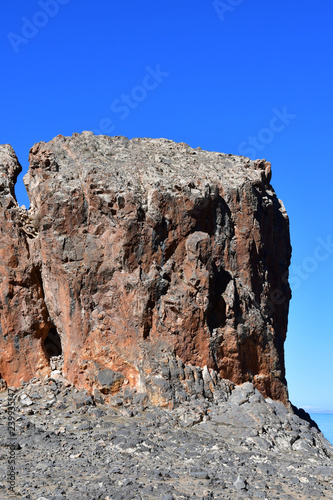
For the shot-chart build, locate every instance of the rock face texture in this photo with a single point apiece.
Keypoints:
(143, 263)
(23, 314)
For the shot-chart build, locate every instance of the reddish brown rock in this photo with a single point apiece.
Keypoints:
(23, 314)
(151, 254)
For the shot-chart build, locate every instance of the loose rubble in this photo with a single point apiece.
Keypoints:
(28, 221)
(72, 445)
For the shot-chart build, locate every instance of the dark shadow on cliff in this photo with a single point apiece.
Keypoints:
(216, 313)
(52, 344)
(304, 416)
(211, 213)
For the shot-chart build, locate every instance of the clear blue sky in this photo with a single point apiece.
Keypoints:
(215, 75)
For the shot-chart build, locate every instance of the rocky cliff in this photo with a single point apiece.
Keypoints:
(143, 263)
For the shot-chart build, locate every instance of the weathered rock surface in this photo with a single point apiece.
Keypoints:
(143, 257)
(23, 314)
(238, 445)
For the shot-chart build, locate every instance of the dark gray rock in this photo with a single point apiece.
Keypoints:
(108, 377)
(248, 447)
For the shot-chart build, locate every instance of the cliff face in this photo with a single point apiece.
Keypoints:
(141, 262)
(23, 315)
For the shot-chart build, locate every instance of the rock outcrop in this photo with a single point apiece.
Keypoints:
(143, 263)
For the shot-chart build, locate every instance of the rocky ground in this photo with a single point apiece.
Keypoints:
(69, 445)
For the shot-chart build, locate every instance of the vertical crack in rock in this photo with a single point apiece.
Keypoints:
(155, 260)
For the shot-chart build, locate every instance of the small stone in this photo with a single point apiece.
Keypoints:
(127, 413)
(98, 397)
(85, 426)
(26, 401)
(88, 401)
(3, 385)
(61, 430)
(108, 377)
(240, 484)
(199, 474)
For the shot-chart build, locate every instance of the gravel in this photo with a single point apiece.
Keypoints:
(242, 446)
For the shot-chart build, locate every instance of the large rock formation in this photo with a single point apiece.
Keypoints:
(143, 263)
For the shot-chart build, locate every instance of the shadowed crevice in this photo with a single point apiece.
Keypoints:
(52, 344)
